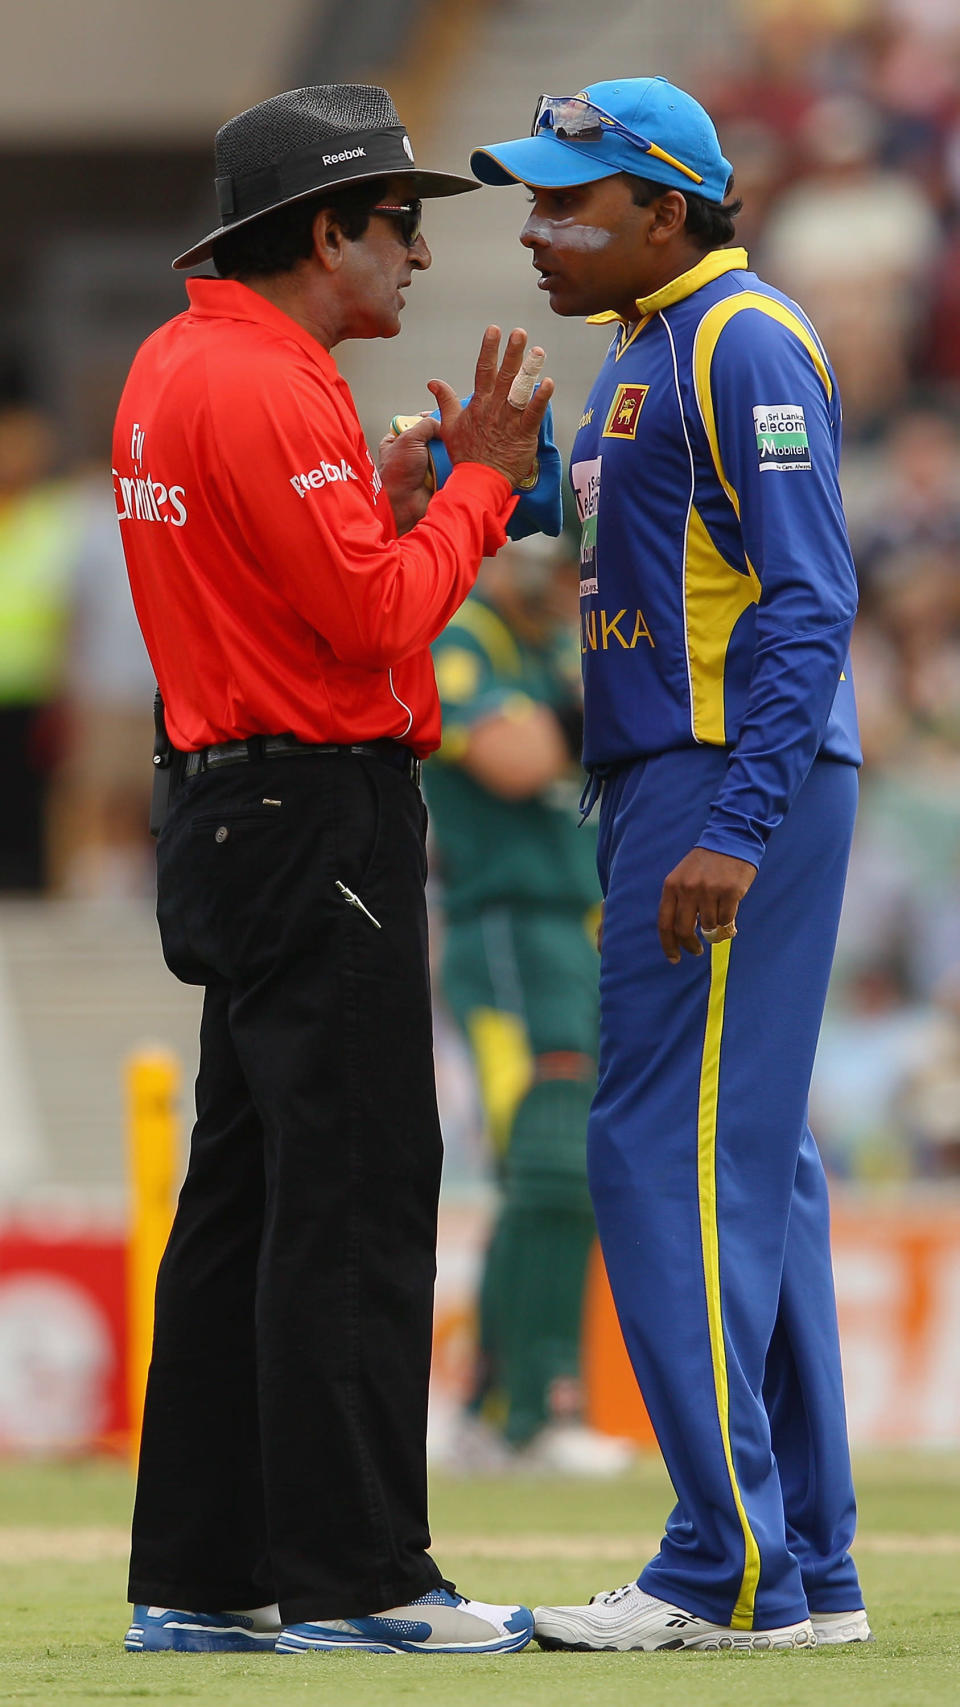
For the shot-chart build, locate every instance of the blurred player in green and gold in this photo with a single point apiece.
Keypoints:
(520, 976)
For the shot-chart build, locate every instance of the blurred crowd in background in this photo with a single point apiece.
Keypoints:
(842, 118)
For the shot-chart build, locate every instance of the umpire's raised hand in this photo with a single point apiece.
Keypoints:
(491, 429)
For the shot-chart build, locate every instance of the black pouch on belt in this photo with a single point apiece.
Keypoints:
(162, 755)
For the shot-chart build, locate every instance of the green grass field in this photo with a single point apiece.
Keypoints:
(62, 1611)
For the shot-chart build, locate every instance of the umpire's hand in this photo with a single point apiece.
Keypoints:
(490, 429)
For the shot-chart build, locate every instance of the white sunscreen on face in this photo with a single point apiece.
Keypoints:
(568, 236)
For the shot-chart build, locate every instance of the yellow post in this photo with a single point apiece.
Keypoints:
(153, 1084)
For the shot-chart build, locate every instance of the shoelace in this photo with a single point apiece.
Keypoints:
(610, 1596)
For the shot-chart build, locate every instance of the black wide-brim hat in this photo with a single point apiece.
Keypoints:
(308, 140)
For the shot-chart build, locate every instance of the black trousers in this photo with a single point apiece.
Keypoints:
(283, 1451)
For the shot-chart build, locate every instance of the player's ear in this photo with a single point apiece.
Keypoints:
(328, 240)
(669, 216)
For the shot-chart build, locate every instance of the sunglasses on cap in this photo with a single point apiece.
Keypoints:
(572, 118)
(408, 217)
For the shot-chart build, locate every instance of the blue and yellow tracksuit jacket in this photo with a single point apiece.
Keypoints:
(717, 590)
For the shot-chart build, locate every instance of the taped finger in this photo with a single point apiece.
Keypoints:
(523, 386)
(719, 933)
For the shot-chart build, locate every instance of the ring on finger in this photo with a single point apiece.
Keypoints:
(720, 933)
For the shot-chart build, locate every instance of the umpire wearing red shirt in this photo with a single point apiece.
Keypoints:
(289, 624)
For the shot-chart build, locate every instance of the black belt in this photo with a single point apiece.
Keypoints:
(288, 747)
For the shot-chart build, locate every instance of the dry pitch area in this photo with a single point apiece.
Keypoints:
(62, 1613)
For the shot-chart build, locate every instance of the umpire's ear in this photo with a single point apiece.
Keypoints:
(328, 240)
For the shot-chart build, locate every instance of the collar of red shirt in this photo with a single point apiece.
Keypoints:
(227, 299)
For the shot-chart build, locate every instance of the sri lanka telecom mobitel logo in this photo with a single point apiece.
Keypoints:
(781, 431)
(140, 498)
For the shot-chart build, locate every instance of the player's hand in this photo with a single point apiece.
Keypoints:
(405, 469)
(490, 429)
(705, 888)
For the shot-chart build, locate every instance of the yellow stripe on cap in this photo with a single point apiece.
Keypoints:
(671, 160)
(743, 1612)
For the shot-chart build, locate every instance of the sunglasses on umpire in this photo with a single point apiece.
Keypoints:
(574, 119)
(408, 217)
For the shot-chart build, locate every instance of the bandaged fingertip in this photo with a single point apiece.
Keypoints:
(524, 385)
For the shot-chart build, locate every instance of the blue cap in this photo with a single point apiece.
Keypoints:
(656, 110)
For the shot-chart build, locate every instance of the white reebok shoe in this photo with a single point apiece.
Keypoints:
(626, 1619)
(436, 1623)
(832, 1628)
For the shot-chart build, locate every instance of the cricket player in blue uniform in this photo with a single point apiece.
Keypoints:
(717, 599)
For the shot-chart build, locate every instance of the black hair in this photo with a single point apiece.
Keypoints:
(711, 224)
(278, 240)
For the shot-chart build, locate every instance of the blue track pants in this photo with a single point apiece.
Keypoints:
(711, 1199)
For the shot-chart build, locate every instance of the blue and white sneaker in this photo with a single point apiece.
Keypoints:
(436, 1623)
(157, 1629)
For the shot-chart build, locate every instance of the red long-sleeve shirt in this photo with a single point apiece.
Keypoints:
(272, 591)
